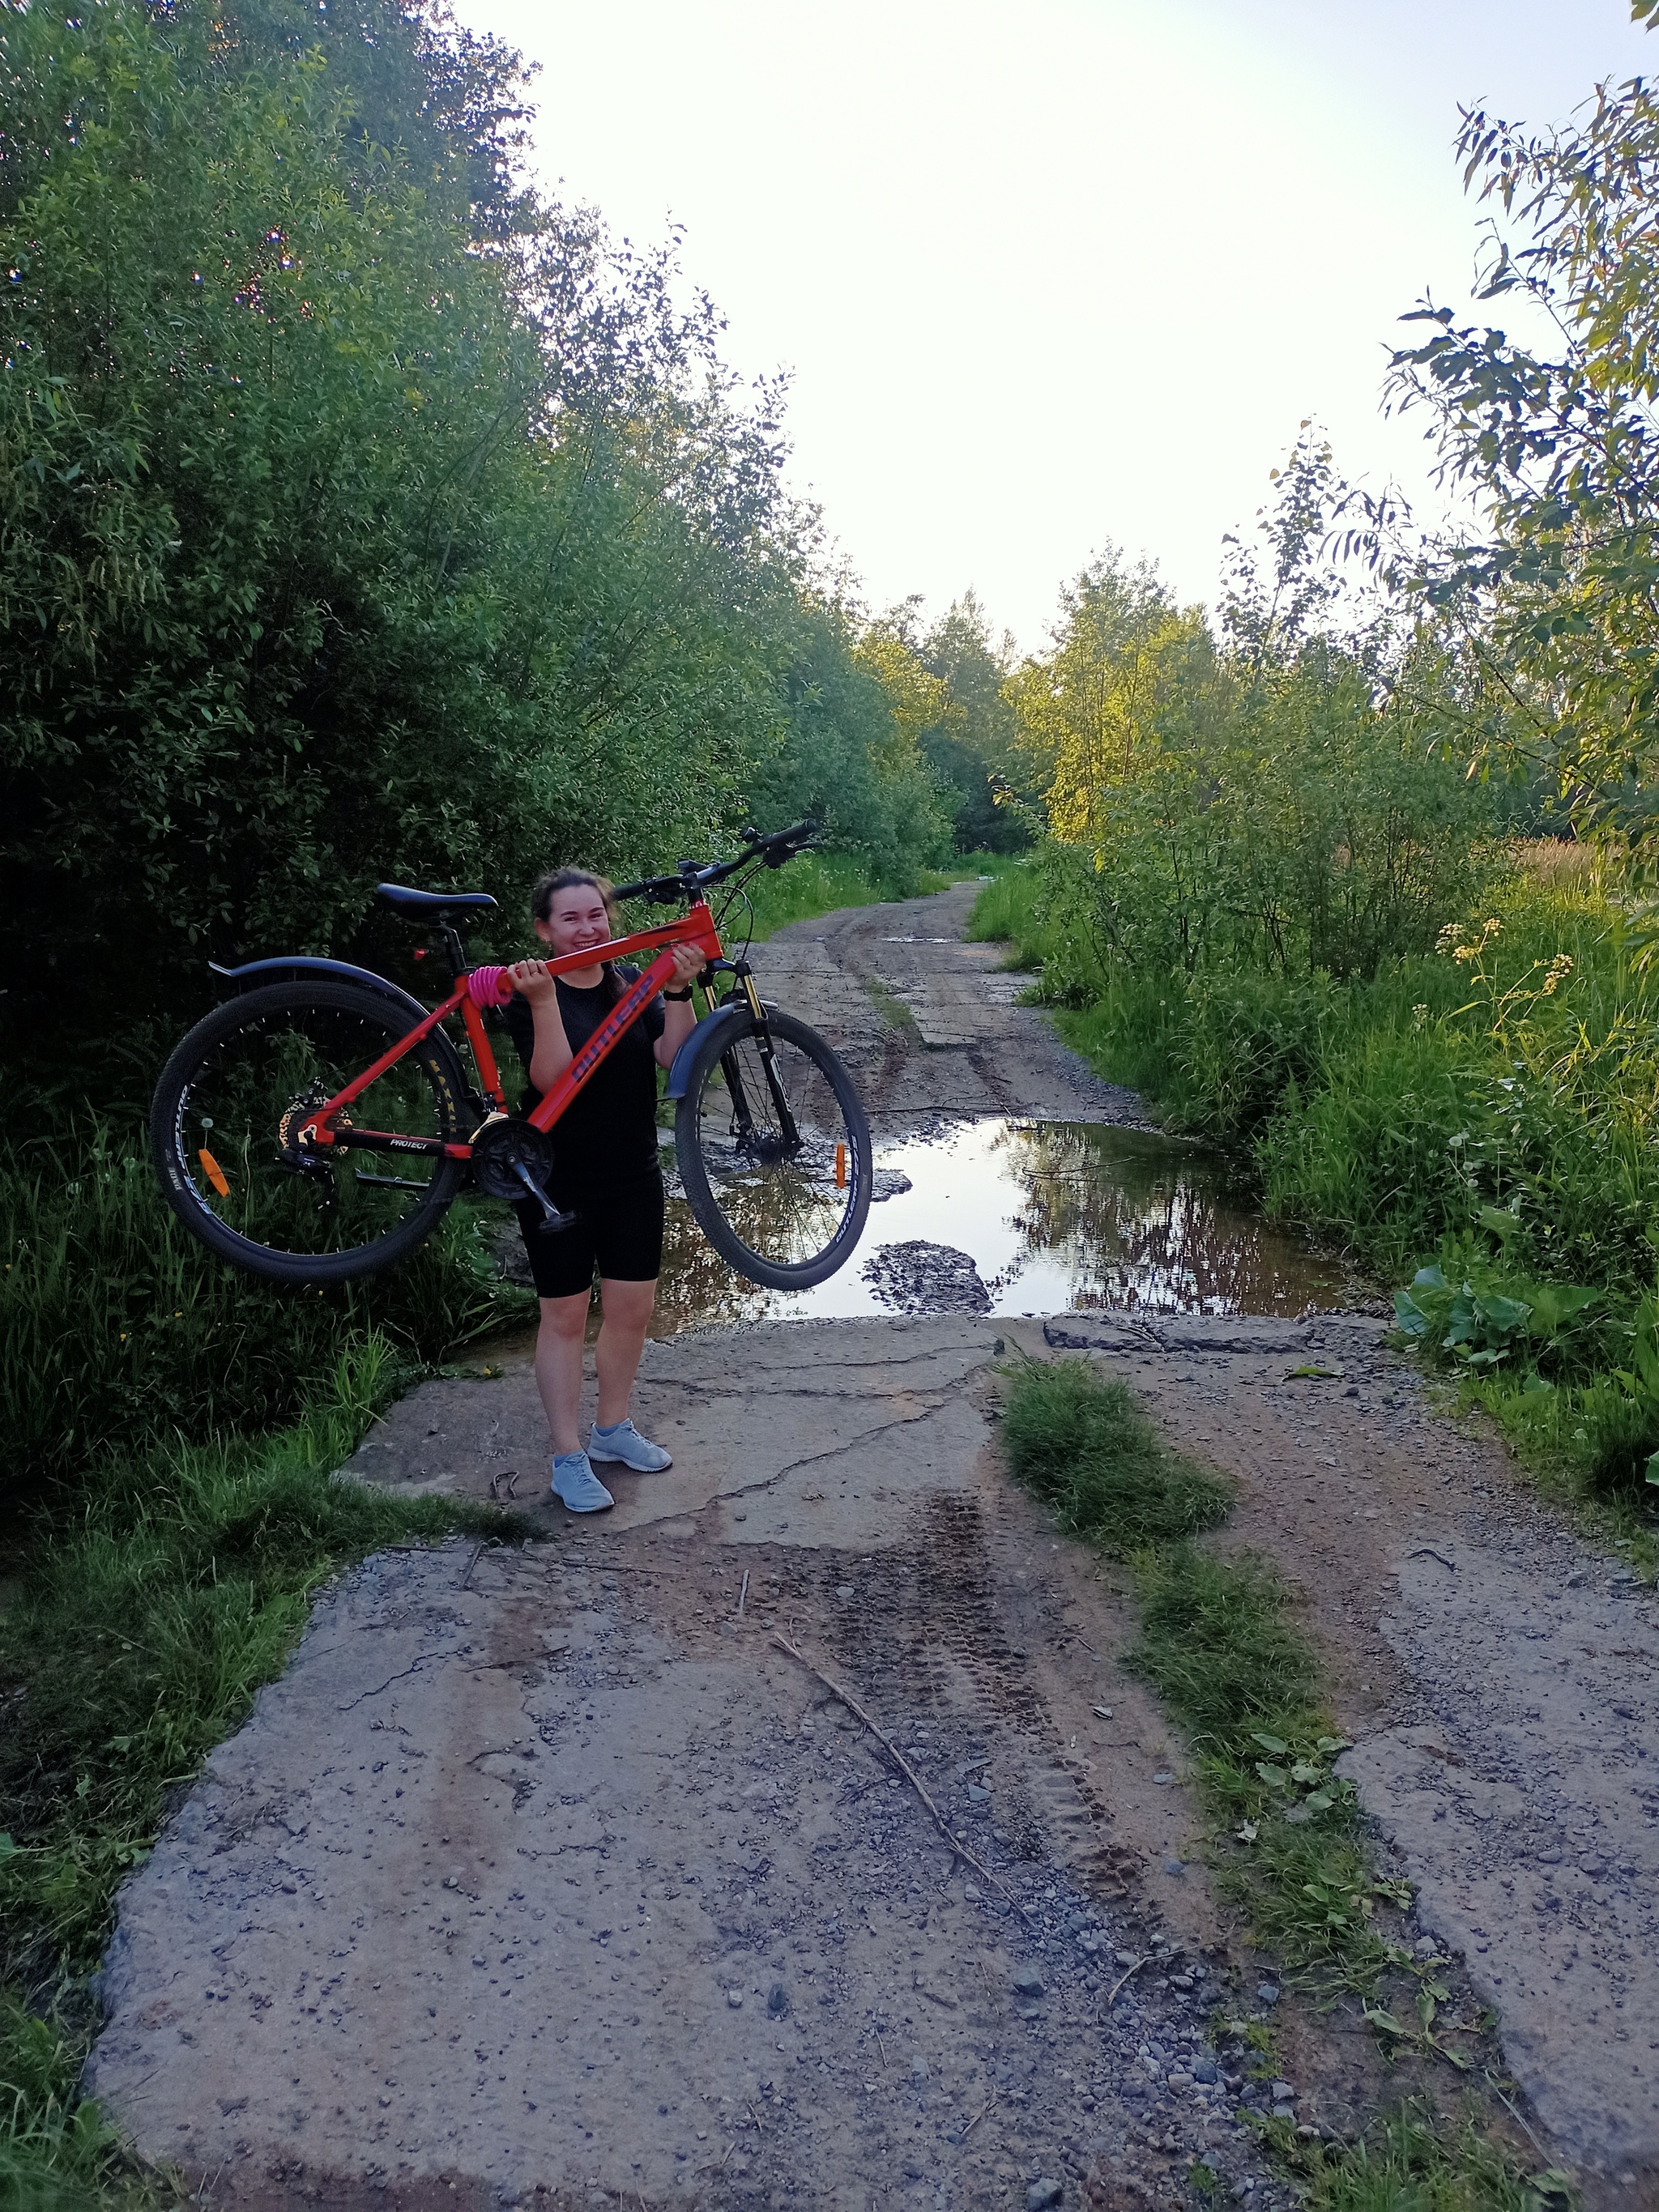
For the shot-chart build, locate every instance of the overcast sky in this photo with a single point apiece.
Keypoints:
(1049, 272)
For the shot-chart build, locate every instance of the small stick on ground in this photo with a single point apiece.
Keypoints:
(477, 1554)
(1515, 2116)
(1111, 1995)
(979, 2115)
(743, 1593)
(903, 1765)
(881, 2047)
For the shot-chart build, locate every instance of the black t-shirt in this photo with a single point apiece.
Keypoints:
(608, 1132)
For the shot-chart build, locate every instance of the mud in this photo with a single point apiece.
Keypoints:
(921, 1277)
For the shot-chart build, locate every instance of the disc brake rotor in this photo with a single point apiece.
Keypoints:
(294, 1151)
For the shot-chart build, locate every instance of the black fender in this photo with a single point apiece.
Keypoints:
(256, 972)
(734, 1014)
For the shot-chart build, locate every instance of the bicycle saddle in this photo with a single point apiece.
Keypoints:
(407, 901)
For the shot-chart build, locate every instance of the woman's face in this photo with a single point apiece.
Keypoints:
(576, 920)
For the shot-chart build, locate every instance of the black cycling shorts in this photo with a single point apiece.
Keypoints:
(617, 1233)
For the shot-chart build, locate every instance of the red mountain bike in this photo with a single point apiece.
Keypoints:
(278, 1121)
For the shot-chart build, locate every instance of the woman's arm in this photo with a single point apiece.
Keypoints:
(680, 1017)
(551, 1053)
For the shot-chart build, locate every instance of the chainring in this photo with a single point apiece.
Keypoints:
(500, 1147)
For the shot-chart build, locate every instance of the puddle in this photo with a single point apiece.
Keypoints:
(1054, 1215)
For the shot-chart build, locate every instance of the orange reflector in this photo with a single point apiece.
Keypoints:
(840, 1167)
(214, 1173)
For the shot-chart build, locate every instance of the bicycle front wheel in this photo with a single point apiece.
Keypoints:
(774, 1151)
(232, 1098)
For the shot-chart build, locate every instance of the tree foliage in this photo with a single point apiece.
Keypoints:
(974, 746)
(1263, 795)
(361, 514)
(1555, 594)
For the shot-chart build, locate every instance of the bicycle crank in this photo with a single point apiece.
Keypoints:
(513, 1161)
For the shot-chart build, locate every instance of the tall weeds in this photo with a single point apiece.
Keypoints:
(115, 1328)
(1490, 1106)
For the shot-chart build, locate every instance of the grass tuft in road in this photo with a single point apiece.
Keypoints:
(1413, 2162)
(1081, 1444)
(1217, 1645)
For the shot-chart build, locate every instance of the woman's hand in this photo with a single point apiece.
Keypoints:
(680, 1016)
(530, 980)
(688, 965)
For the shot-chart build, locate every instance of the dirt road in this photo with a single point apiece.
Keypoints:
(929, 1023)
(549, 1873)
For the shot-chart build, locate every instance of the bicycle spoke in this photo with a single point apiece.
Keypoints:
(241, 1116)
(784, 1162)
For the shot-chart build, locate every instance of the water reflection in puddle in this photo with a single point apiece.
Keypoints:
(1055, 1215)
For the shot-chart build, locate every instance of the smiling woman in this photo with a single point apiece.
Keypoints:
(605, 1183)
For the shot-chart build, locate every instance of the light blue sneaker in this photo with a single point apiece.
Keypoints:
(576, 1486)
(623, 1443)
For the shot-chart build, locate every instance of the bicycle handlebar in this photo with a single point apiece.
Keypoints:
(688, 879)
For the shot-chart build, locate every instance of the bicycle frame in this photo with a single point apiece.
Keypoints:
(695, 927)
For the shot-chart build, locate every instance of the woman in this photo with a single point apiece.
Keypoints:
(605, 1171)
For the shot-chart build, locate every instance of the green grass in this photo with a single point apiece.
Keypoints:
(1083, 1447)
(1219, 1642)
(116, 1326)
(1216, 1644)
(1414, 2161)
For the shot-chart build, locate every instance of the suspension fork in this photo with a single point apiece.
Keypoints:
(740, 1111)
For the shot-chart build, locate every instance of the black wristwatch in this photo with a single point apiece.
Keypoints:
(678, 996)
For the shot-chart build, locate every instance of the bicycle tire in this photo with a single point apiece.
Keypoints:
(431, 1071)
(728, 1188)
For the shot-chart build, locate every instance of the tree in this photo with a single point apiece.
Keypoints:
(360, 514)
(1559, 592)
(1088, 708)
(974, 747)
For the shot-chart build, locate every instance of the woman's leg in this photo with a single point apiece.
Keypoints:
(626, 1311)
(559, 1365)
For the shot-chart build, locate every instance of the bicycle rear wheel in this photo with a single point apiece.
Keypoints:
(231, 1100)
(774, 1151)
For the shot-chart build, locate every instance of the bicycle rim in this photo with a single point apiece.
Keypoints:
(238, 1090)
(775, 1153)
